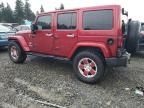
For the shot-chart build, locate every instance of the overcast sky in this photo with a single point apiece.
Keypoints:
(134, 7)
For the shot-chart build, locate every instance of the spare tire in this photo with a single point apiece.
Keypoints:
(133, 36)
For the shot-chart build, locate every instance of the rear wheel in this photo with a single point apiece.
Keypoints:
(16, 53)
(88, 66)
(133, 36)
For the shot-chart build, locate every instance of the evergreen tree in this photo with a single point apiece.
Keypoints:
(61, 7)
(41, 9)
(8, 14)
(29, 15)
(1, 12)
(1, 7)
(19, 12)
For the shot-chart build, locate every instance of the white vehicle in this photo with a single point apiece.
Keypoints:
(22, 27)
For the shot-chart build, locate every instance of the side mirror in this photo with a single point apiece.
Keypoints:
(34, 27)
(124, 12)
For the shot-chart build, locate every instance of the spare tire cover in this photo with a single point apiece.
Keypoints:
(133, 36)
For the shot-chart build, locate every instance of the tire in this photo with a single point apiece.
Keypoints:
(16, 53)
(90, 71)
(133, 36)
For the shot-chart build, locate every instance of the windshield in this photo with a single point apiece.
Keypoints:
(4, 29)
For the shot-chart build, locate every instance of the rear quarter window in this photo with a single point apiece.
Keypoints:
(98, 20)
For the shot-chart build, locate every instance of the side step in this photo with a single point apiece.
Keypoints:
(48, 56)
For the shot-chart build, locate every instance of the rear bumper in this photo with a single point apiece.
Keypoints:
(4, 43)
(117, 62)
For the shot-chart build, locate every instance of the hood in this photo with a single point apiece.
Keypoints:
(4, 29)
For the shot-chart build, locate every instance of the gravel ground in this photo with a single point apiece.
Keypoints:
(53, 81)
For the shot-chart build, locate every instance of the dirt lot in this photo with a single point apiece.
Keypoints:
(21, 85)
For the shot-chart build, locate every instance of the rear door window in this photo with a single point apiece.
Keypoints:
(66, 21)
(98, 20)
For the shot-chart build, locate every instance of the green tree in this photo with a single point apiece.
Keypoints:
(19, 12)
(29, 15)
(41, 9)
(61, 7)
(1, 7)
(8, 14)
(1, 11)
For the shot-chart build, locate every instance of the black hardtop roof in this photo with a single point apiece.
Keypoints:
(102, 6)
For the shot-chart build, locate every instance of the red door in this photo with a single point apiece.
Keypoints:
(42, 40)
(65, 33)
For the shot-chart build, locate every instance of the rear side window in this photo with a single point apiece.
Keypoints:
(98, 20)
(66, 21)
(44, 22)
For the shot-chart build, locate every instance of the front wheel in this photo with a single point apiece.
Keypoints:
(16, 53)
(88, 66)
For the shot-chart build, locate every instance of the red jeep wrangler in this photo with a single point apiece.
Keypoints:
(92, 38)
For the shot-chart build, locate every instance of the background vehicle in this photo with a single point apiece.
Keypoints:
(140, 42)
(92, 38)
(4, 33)
(22, 27)
(10, 25)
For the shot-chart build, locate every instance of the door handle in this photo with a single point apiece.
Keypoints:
(70, 35)
(56, 36)
(49, 34)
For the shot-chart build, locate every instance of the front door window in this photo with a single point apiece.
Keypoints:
(44, 22)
